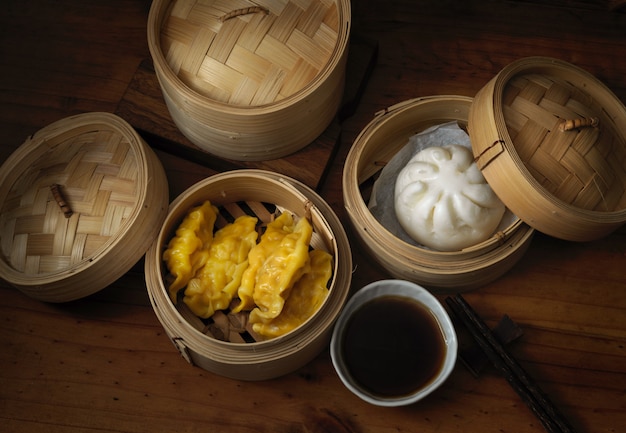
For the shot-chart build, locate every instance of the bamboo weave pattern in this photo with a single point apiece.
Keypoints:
(250, 59)
(585, 167)
(98, 173)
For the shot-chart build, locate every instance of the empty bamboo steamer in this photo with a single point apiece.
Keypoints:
(80, 203)
(551, 141)
(441, 272)
(252, 192)
(250, 80)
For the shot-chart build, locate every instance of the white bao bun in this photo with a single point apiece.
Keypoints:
(443, 201)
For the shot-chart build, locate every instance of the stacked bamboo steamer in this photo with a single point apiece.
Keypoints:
(568, 183)
(80, 203)
(250, 80)
(237, 356)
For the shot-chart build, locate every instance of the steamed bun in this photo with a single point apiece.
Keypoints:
(443, 201)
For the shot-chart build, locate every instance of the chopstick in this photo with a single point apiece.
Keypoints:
(552, 420)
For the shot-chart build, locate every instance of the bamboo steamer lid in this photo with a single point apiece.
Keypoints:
(250, 80)
(113, 188)
(248, 191)
(440, 272)
(567, 183)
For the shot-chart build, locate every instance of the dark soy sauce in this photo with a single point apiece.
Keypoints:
(393, 346)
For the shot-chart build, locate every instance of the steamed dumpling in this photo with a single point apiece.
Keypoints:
(443, 201)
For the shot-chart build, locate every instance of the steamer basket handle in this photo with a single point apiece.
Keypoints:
(244, 11)
(60, 199)
(583, 122)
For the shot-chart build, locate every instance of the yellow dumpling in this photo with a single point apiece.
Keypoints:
(217, 281)
(284, 266)
(187, 251)
(305, 298)
(275, 263)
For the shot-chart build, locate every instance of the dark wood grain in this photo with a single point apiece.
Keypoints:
(509, 368)
(104, 363)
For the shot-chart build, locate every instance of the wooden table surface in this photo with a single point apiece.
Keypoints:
(104, 363)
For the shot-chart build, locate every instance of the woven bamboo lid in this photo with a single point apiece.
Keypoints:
(250, 80)
(551, 141)
(80, 203)
(250, 53)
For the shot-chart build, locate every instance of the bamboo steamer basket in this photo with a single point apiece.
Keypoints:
(440, 272)
(113, 188)
(250, 81)
(567, 183)
(238, 358)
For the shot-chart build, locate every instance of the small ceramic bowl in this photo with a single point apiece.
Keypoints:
(393, 343)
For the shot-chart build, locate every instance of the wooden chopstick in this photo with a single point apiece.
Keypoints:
(552, 420)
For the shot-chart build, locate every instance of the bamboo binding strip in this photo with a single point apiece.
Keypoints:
(250, 80)
(80, 203)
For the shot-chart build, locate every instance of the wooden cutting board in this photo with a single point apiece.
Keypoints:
(144, 108)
